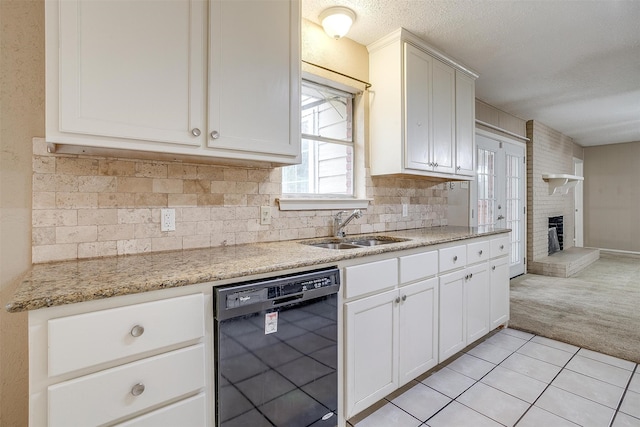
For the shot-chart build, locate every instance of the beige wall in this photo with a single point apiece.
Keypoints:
(612, 196)
(548, 152)
(21, 118)
(489, 114)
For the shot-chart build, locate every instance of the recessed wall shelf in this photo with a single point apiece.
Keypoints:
(560, 183)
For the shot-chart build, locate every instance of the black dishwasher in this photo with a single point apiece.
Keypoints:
(276, 342)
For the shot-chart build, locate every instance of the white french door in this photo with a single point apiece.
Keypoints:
(499, 195)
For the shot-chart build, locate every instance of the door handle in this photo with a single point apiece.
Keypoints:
(500, 217)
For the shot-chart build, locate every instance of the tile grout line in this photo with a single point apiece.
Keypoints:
(624, 393)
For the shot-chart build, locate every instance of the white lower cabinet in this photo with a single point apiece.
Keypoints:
(128, 360)
(418, 329)
(499, 273)
(391, 339)
(371, 350)
(477, 299)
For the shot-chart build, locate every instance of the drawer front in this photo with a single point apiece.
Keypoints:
(190, 412)
(418, 266)
(478, 251)
(108, 395)
(89, 339)
(371, 277)
(452, 258)
(500, 246)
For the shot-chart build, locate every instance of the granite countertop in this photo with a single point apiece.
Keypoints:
(68, 282)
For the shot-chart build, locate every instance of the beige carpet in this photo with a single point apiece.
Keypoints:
(598, 308)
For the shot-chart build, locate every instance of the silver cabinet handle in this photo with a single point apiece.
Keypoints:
(500, 216)
(195, 132)
(404, 297)
(397, 300)
(466, 277)
(458, 168)
(455, 258)
(136, 331)
(471, 276)
(480, 253)
(501, 247)
(215, 134)
(493, 268)
(435, 165)
(137, 389)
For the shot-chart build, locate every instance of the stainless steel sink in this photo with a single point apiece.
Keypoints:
(354, 243)
(331, 245)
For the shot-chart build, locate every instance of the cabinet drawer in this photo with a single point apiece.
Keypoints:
(89, 339)
(107, 395)
(371, 277)
(452, 258)
(500, 246)
(189, 412)
(418, 266)
(478, 251)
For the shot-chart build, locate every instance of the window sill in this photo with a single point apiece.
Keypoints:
(308, 204)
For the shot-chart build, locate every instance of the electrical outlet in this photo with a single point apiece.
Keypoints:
(167, 219)
(265, 215)
(405, 209)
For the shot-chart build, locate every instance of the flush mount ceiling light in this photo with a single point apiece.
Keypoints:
(336, 21)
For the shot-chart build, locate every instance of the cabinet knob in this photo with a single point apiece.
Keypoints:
(195, 132)
(458, 168)
(404, 297)
(397, 300)
(435, 165)
(455, 258)
(136, 331)
(137, 389)
(470, 276)
(501, 247)
(493, 268)
(215, 134)
(480, 253)
(466, 277)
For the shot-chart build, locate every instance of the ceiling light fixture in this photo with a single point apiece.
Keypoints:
(336, 21)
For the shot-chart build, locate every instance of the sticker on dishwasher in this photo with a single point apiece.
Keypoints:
(271, 323)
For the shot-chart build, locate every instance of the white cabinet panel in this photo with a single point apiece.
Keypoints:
(88, 339)
(371, 277)
(189, 412)
(418, 329)
(371, 346)
(499, 291)
(418, 266)
(465, 124)
(477, 302)
(128, 69)
(453, 317)
(254, 77)
(417, 83)
(443, 117)
(500, 246)
(107, 395)
(478, 251)
(452, 258)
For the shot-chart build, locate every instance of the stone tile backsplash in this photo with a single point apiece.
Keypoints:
(85, 207)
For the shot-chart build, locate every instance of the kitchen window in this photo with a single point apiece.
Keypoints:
(326, 172)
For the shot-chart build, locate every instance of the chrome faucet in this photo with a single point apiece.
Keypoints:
(339, 224)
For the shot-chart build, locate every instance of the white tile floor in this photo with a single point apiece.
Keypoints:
(519, 379)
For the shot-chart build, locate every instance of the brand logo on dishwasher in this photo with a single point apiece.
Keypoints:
(243, 299)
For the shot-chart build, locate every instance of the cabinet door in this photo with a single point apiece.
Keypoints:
(452, 314)
(417, 108)
(127, 69)
(254, 96)
(418, 329)
(443, 117)
(477, 298)
(371, 346)
(499, 292)
(465, 124)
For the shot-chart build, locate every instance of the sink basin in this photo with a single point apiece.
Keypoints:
(355, 243)
(331, 245)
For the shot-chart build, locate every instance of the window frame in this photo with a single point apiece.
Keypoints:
(312, 201)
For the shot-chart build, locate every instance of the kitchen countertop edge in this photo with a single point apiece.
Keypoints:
(74, 281)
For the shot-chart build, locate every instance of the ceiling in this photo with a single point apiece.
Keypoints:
(573, 65)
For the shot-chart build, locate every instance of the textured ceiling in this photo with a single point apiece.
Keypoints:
(573, 65)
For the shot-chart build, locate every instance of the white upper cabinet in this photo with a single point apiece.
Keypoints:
(136, 75)
(416, 123)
